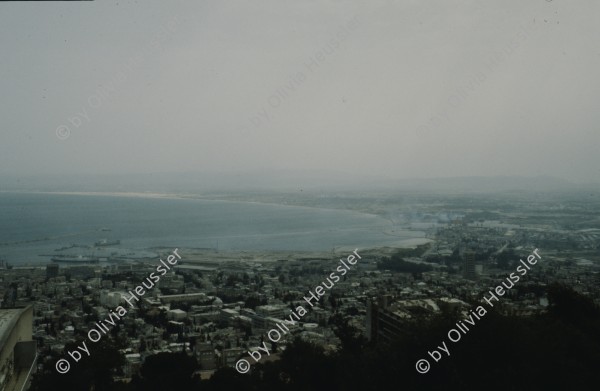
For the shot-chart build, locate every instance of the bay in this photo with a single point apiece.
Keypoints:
(34, 224)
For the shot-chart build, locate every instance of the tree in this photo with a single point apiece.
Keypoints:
(95, 372)
(169, 371)
(351, 338)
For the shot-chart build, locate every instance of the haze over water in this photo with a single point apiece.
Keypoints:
(34, 224)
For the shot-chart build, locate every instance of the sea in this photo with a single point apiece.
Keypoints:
(34, 227)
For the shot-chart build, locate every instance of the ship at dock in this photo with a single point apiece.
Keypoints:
(105, 242)
(76, 259)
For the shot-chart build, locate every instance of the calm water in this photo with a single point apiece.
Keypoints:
(32, 225)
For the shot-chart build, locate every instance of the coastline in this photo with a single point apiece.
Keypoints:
(27, 251)
(210, 258)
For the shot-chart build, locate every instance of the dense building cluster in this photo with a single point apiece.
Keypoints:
(217, 311)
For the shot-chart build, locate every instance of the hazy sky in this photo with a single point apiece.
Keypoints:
(401, 88)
